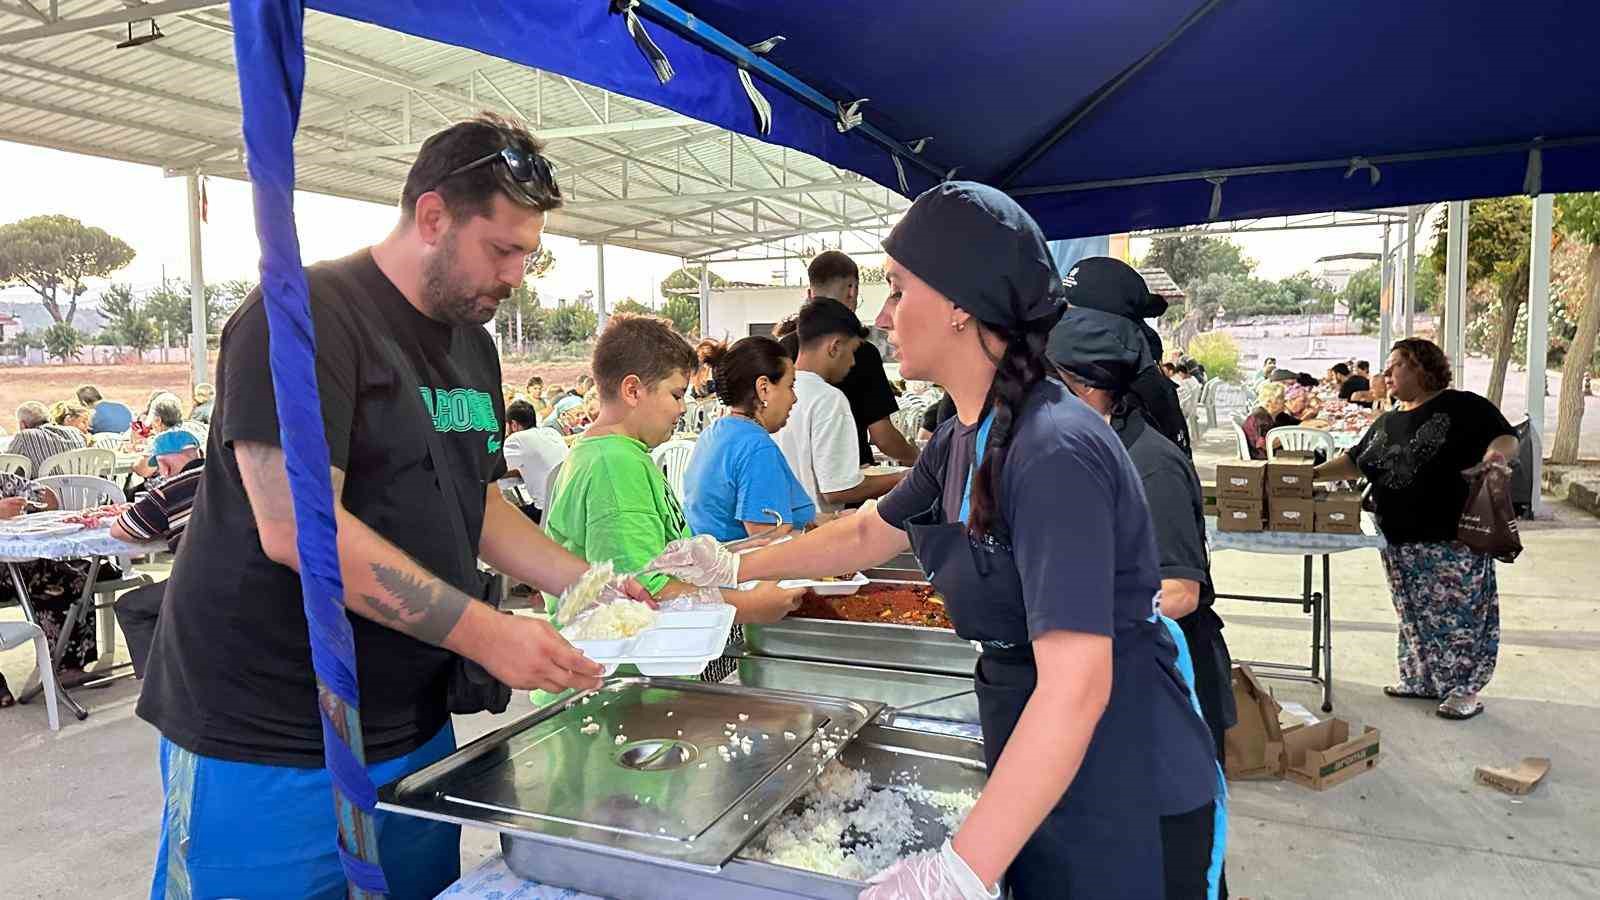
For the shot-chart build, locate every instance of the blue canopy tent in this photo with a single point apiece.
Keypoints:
(1099, 115)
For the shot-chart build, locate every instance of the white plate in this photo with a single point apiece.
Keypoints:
(679, 643)
(827, 588)
(883, 470)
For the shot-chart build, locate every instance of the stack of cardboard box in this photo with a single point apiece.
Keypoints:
(1290, 503)
(1241, 493)
(1338, 512)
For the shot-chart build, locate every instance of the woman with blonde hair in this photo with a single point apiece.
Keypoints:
(1269, 403)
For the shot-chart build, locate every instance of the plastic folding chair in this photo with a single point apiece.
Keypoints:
(15, 634)
(1241, 442)
(82, 491)
(16, 464)
(86, 461)
(673, 459)
(550, 494)
(1298, 438)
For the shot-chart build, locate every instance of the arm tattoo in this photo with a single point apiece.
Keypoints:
(420, 606)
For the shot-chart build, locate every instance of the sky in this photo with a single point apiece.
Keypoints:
(146, 209)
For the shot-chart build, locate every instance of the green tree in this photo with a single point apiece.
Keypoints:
(1216, 351)
(683, 311)
(1362, 295)
(630, 306)
(62, 341)
(688, 280)
(168, 306)
(55, 255)
(1189, 257)
(571, 323)
(1498, 231)
(127, 323)
(1580, 220)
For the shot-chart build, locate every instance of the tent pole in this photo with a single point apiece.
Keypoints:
(197, 288)
(1538, 334)
(1386, 271)
(705, 300)
(600, 282)
(1413, 221)
(1455, 291)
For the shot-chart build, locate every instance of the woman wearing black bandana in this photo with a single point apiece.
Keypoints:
(1030, 520)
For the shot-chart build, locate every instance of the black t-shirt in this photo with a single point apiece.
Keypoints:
(1415, 458)
(1284, 420)
(1177, 509)
(871, 398)
(230, 674)
(936, 414)
(1353, 384)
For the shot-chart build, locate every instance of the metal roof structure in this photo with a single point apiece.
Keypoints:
(635, 175)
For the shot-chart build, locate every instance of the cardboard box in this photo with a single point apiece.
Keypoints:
(1517, 781)
(1234, 514)
(1243, 479)
(1254, 745)
(1291, 514)
(1303, 455)
(1289, 478)
(1325, 754)
(1339, 512)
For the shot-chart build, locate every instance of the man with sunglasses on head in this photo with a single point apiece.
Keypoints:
(412, 407)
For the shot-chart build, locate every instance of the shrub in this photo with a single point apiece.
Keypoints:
(1216, 351)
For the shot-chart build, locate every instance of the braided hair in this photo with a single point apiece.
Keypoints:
(1019, 369)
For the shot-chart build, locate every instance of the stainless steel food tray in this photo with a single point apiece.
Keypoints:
(637, 770)
(896, 687)
(889, 755)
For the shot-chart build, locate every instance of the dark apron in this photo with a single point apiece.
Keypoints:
(1105, 831)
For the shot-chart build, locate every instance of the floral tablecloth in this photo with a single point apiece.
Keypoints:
(494, 880)
(1290, 543)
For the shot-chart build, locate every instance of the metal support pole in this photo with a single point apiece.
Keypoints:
(600, 281)
(1386, 271)
(197, 287)
(1538, 334)
(1413, 222)
(705, 301)
(1455, 296)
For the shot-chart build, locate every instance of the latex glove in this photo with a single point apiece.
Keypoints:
(934, 875)
(699, 561)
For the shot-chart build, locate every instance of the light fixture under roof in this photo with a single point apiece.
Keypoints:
(132, 41)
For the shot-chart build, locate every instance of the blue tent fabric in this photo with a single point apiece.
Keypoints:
(1248, 83)
(269, 48)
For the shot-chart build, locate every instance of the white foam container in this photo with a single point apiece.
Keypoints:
(828, 588)
(681, 642)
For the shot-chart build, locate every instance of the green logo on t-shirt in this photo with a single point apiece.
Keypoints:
(494, 444)
(461, 409)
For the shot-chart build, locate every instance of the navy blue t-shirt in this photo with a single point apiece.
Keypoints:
(1073, 508)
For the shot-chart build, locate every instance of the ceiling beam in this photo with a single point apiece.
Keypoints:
(62, 27)
(742, 194)
(548, 134)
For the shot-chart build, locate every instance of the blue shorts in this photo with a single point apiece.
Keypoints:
(261, 831)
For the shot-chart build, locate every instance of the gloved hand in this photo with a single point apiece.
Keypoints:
(699, 561)
(934, 875)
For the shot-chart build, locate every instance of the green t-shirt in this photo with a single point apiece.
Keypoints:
(613, 503)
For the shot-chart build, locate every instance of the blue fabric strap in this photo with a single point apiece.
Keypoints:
(270, 52)
(977, 460)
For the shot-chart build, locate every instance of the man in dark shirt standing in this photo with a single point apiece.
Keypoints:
(833, 274)
(413, 412)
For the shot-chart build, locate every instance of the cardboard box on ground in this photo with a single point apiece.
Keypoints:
(1318, 755)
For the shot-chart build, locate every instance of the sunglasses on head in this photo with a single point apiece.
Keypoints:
(526, 170)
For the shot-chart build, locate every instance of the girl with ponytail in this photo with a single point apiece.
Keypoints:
(1031, 521)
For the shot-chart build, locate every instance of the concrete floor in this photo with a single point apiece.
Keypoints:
(81, 806)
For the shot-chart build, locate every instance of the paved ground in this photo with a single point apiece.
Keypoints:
(80, 806)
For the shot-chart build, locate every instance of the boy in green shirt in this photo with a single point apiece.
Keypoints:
(611, 501)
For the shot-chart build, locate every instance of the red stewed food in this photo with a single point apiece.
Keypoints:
(894, 604)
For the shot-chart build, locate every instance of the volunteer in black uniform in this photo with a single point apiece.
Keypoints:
(1098, 355)
(1032, 523)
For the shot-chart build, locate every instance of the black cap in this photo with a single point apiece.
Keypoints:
(977, 247)
(1111, 285)
(1105, 350)
(824, 317)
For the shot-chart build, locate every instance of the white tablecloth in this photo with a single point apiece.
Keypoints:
(1290, 543)
(493, 880)
(88, 542)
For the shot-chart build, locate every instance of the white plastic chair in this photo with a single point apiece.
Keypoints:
(673, 458)
(550, 494)
(1298, 438)
(16, 464)
(109, 440)
(85, 461)
(15, 634)
(1241, 442)
(82, 491)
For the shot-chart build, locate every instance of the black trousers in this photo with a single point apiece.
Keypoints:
(1186, 841)
(137, 612)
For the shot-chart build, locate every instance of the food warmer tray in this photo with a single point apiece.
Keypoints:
(887, 754)
(639, 770)
(931, 696)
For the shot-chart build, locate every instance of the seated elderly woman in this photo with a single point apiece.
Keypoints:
(1269, 405)
(166, 413)
(52, 585)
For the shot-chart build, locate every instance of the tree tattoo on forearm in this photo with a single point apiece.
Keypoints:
(423, 607)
